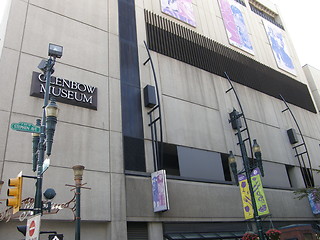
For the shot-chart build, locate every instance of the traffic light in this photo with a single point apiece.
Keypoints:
(15, 192)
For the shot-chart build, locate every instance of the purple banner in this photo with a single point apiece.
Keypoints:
(160, 191)
(314, 203)
(279, 47)
(180, 9)
(235, 25)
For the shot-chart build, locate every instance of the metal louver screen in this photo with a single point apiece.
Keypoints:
(137, 231)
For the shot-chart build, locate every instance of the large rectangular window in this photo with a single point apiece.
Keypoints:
(195, 163)
(192, 163)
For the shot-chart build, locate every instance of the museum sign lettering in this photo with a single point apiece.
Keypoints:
(65, 91)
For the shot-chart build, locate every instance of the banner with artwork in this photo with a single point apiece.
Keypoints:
(314, 202)
(159, 191)
(260, 198)
(245, 196)
(235, 25)
(180, 9)
(279, 47)
(259, 195)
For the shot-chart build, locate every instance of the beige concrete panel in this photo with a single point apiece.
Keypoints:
(19, 144)
(193, 125)
(155, 230)
(156, 8)
(4, 120)
(23, 103)
(16, 25)
(116, 153)
(145, 71)
(94, 12)
(141, 28)
(210, 16)
(250, 102)
(188, 83)
(227, 102)
(118, 200)
(115, 102)
(114, 56)
(1, 168)
(267, 110)
(313, 124)
(148, 4)
(139, 4)
(284, 118)
(202, 21)
(313, 148)
(74, 144)
(113, 17)
(8, 67)
(272, 142)
(187, 200)
(118, 230)
(283, 203)
(91, 199)
(84, 46)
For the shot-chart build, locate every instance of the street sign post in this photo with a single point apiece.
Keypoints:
(25, 127)
(33, 228)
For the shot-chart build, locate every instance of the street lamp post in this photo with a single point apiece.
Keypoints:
(78, 172)
(248, 167)
(48, 123)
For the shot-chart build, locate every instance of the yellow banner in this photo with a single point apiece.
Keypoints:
(259, 195)
(245, 196)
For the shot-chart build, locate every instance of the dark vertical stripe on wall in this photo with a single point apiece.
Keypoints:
(132, 125)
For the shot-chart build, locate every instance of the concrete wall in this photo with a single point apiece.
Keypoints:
(195, 109)
(313, 76)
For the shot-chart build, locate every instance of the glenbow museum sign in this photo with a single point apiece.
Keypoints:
(65, 91)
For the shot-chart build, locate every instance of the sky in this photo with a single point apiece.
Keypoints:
(301, 20)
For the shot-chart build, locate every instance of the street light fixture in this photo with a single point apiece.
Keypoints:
(233, 165)
(47, 124)
(51, 121)
(78, 173)
(235, 120)
(257, 153)
(55, 50)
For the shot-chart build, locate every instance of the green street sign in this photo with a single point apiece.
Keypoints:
(25, 127)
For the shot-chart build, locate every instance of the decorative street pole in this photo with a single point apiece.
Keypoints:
(48, 123)
(248, 167)
(78, 173)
